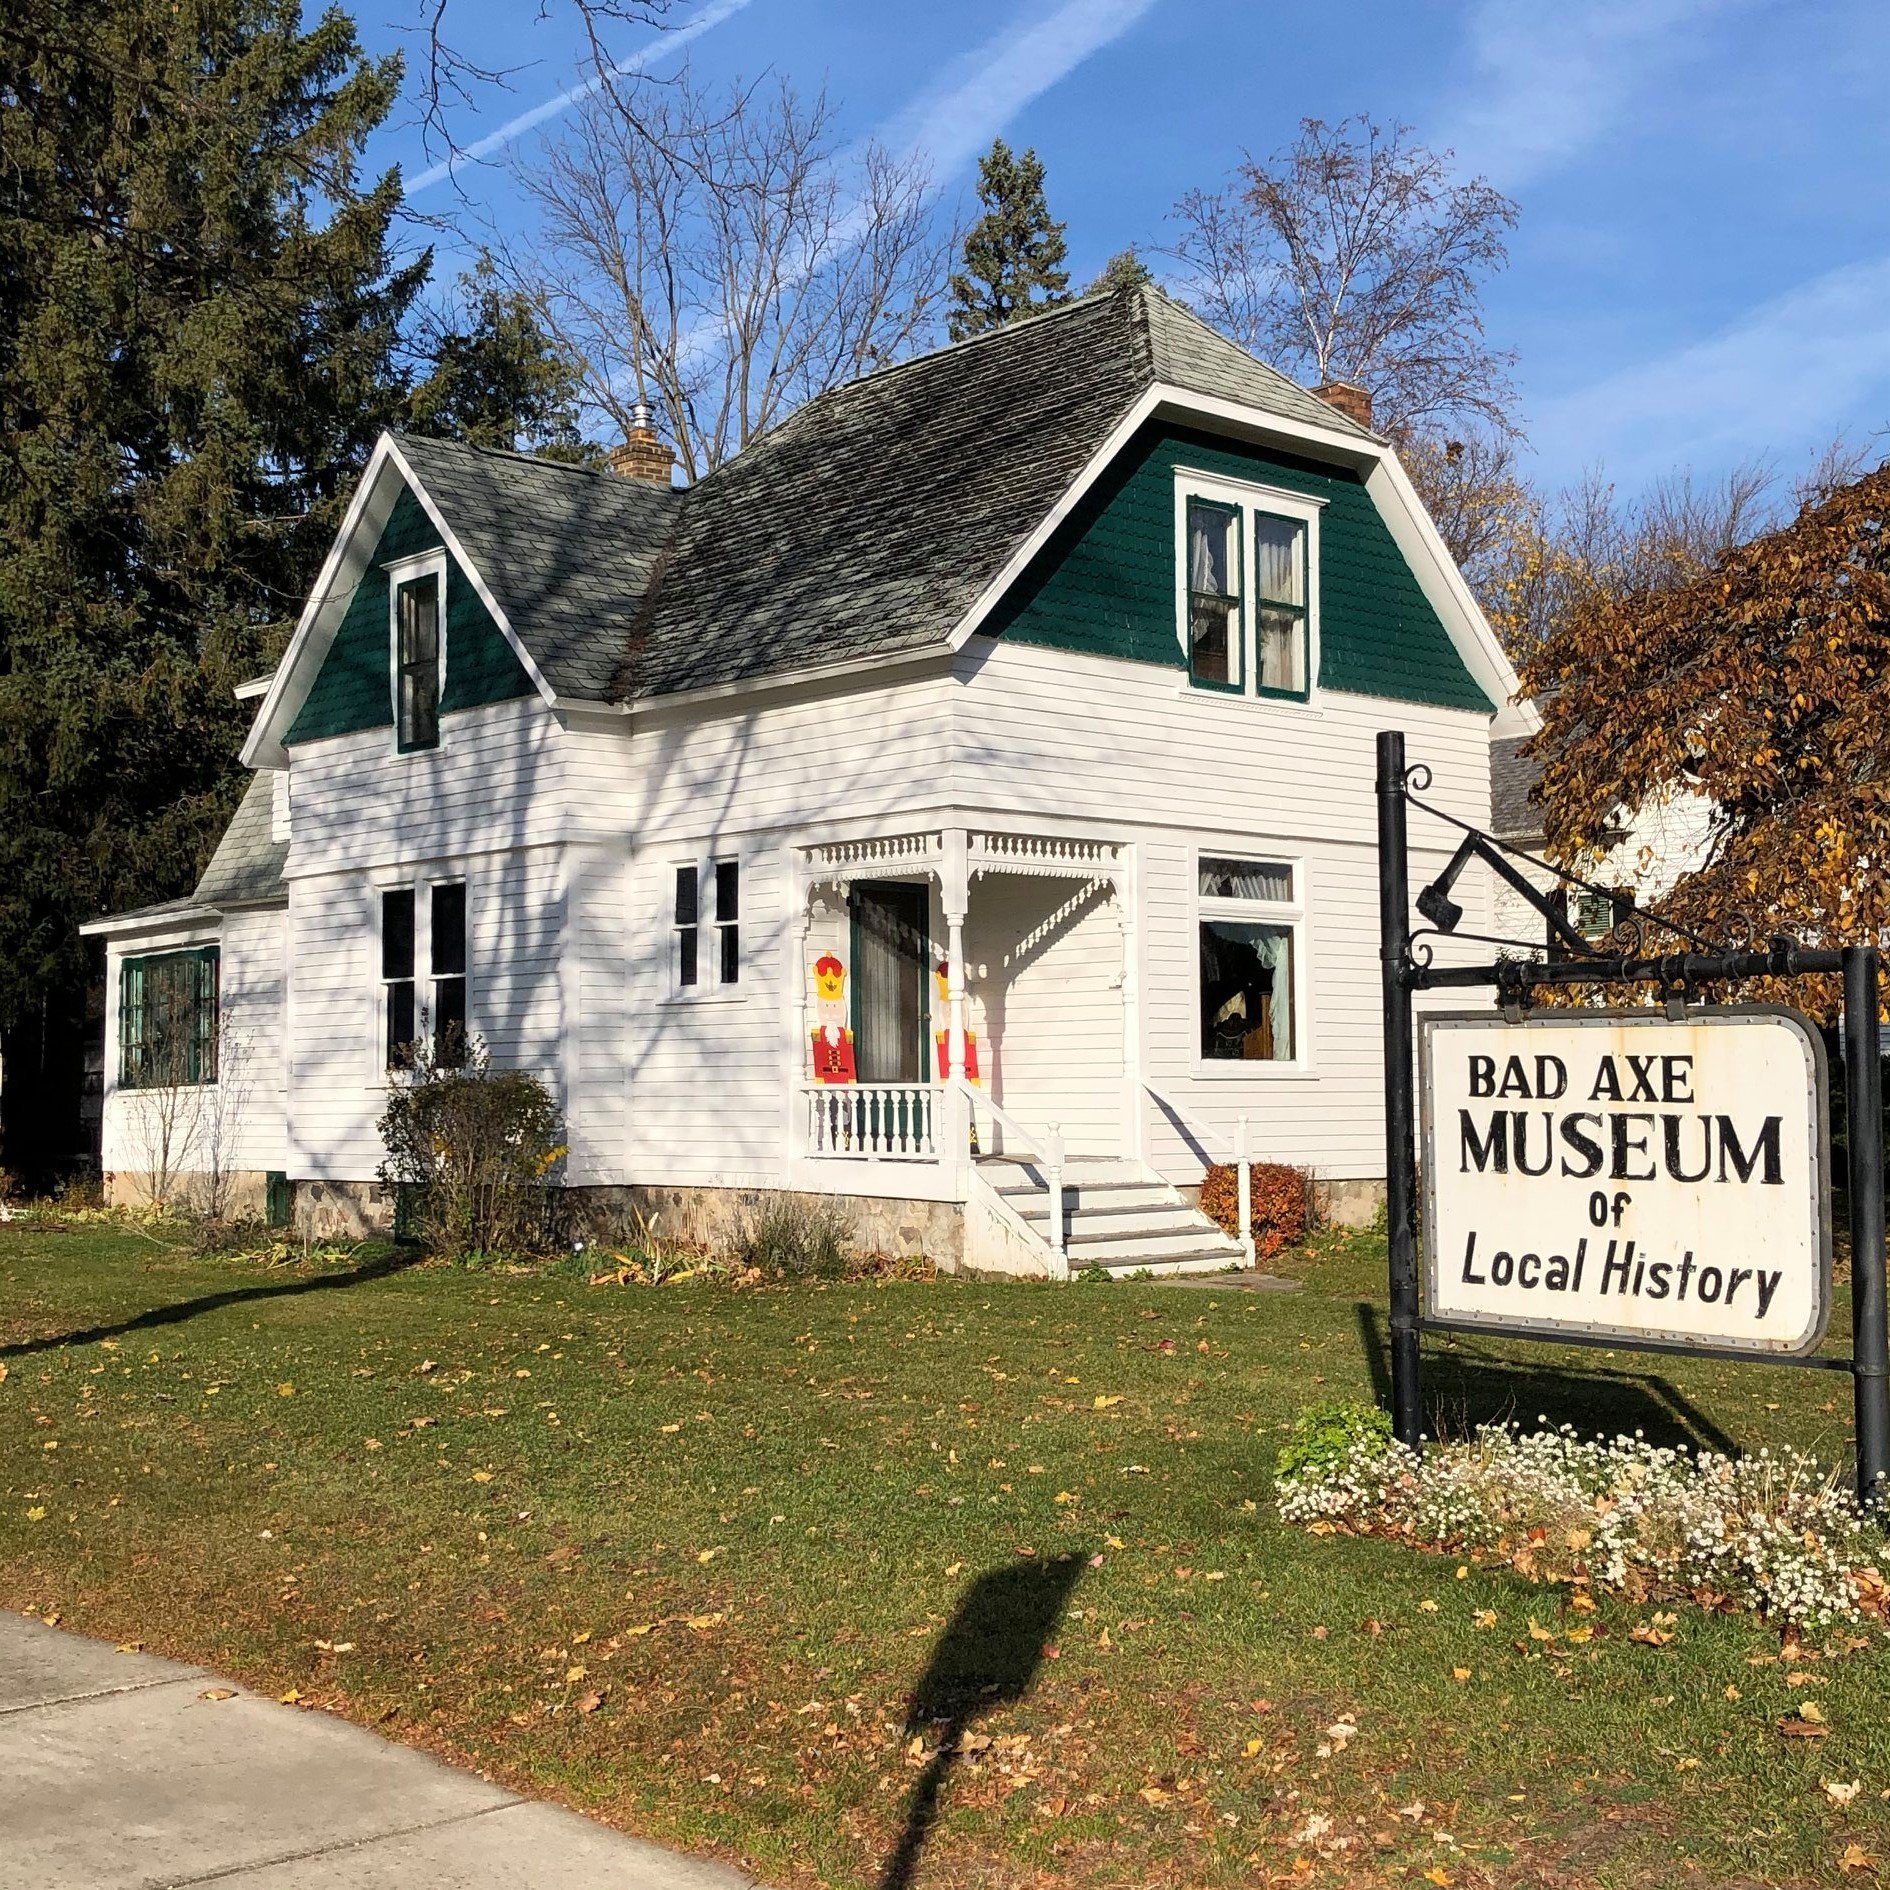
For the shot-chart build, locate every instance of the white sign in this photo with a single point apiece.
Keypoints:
(1621, 1175)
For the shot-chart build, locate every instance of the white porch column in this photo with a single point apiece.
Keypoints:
(954, 897)
(954, 893)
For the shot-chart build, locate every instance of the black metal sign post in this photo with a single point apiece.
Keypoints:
(1406, 968)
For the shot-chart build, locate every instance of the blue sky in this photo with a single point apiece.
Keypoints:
(1702, 271)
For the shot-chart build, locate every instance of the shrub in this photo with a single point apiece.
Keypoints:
(1324, 1435)
(477, 1148)
(1281, 1204)
(796, 1237)
(1770, 1533)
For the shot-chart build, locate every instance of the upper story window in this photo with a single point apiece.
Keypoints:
(1249, 584)
(708, 898)
(416, 601)
(167, 1019)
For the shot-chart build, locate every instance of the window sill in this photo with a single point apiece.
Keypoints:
(1231, 1071)
(1208, 692)
(711, 994)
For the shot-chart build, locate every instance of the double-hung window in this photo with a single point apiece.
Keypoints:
(167, 1019)
(446, 953)
(1214, 615)
(399, 1008)
(708, 900)
(1248, 587)
(430, 1011)
(417, 629)
(1249, 932)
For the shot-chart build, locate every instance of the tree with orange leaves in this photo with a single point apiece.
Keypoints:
(1764, 685)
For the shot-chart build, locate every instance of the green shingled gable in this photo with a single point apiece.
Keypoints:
(1105, 583)
(351, 689)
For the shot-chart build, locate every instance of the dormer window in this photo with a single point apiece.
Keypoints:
(417, 597)
(1248, 587)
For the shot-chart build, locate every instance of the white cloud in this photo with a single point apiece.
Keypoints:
(981, 93)
(1784, 377)
(1547, 81)
(641, 60)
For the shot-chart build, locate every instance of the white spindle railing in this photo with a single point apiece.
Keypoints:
(873, 1121)
(1238, 1155)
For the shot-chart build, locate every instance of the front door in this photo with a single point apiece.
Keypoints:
(891, 981)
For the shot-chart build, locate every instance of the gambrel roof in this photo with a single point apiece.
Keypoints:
(879, 521)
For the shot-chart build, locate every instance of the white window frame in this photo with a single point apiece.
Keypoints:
(708, 987)
(421, 885)
(403, 571)
(1248, 497)
(1292, 914)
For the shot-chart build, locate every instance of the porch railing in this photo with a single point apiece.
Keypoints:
(1211, 1146)
(873, 1121)
(1046, 1150)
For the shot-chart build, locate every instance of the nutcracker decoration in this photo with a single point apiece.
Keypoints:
(833, 1041)
(945, 1036)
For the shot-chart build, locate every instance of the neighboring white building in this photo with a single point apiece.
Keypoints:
(1667, 837)
(1013, 706)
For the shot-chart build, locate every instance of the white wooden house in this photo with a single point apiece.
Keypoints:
(1011, 707)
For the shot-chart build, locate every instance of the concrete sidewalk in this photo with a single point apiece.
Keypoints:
(115, 1770)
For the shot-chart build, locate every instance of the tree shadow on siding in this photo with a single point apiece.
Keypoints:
(1472, 1383)
(377, 1268)
(988, 1656)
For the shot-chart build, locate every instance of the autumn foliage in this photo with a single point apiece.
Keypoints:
(1281, 1210)
(1763, 686)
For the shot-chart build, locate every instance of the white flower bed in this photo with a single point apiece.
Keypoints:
(1772, 1533)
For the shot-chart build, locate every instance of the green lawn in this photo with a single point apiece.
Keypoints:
(727, 1567)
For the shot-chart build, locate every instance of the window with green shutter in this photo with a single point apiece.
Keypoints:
(167, 1019)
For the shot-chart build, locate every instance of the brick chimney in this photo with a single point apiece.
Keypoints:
(643, 455)
(1352, 400)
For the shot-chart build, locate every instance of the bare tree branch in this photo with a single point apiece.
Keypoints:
(1352, 255)
(722, 259)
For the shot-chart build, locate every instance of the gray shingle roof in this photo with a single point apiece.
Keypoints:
(869, 522)
(864, 525)
(247, 865)
(566, 550)
(1513, 777)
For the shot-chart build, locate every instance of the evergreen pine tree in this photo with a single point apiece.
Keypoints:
(1124, 270)
(1014, 253)
(199, 329)
(497, 379)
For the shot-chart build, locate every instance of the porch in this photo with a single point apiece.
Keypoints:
(967, 1011)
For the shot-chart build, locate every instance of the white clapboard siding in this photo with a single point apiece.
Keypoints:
(235, 1124)
(515, 991)
(1046, 966)
(708, 1069)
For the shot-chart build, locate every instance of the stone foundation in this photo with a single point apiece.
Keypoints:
(343, 1210)
(245, 1192)
(714, 1218)
(1348, 1203)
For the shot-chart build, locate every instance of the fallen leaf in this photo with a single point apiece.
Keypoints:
(131, 1647)
(1795, 1728)
(1811, 1710)
(1649, 1636)
(289, 1698)
(1427, 1606)
(1100, 1403)
(1839, 1792)
(1460, 1673)
(1484, 1617)
(1437, 1874)
(701, 1621)
(1855, 1857)
(590, 1702)
(482, 1476)
(285, 1390)
(217, 1693)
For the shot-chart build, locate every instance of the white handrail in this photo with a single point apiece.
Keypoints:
(1241, 1161)
(1049, 1151)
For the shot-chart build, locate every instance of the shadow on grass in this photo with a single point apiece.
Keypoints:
(377, 1268)
(1470, 1386)
(987, 1656)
